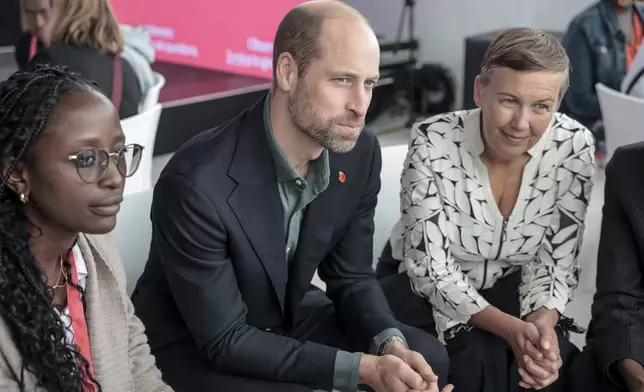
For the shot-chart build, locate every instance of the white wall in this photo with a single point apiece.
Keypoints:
(382, 14)
(443, 25)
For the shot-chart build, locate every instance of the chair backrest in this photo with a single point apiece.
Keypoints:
(152, 96)
(623, 117)
(388, 208)
(142, 129)
(133, 233)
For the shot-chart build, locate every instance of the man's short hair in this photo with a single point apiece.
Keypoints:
(298, 34)
(300, 30)
(524, 49)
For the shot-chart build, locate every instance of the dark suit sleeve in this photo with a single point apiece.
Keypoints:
(45, 56)
(580, 99)
(348, 269)
(192, 243)
(21, 52)
(617, 311)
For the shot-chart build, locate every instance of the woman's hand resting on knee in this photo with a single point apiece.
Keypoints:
(541, 361)
(534, 342)
(522, 336)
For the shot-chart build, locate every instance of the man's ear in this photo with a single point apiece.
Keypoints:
(286, 72)
(18, 178)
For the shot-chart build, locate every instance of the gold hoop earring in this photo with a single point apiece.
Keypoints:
(23, 198)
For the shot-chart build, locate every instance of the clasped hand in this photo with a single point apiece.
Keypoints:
(403, 370)
(536, 348)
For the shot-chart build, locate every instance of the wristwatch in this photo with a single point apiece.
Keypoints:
(382, 349)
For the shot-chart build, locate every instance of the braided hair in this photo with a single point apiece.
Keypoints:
(27, 100)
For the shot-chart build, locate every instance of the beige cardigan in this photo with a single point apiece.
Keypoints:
(120, 352)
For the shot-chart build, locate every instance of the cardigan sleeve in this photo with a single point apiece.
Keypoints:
(550, 278)
(145, 373)
(11, 364)
(8, 381)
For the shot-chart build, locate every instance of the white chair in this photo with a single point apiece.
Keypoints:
(623, 117)
(152, 96)
(388, 208)
(133, 233)
(142, 129)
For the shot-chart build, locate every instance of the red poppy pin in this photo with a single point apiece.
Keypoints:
(342, 177)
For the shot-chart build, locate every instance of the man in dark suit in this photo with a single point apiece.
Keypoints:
(244, 214)
(9, 23)
(613, 358)
(37, 19)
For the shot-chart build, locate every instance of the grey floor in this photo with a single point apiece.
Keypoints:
(579, 308)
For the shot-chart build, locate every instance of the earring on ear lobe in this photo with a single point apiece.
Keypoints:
(23, 198)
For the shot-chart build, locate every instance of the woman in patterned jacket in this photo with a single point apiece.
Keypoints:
(493, 204)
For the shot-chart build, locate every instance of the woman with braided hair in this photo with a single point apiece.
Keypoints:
(66, 323)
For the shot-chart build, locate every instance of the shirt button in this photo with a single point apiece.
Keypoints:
(298, 182)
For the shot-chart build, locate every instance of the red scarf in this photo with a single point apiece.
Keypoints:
(77, 313)
(633, 46)
(33, 47)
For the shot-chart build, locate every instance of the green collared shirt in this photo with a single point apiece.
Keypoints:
(296, 193)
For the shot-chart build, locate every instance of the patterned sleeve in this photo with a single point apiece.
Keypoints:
(427, 259)
(549, 280)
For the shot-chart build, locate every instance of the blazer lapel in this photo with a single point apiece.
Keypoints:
(255, 201)
(314, 244)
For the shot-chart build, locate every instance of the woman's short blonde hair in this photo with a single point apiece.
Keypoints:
(524, 49)
(88, 23)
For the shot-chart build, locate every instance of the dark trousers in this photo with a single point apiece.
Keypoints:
(185, 371)
(584, 374)
(479, 361)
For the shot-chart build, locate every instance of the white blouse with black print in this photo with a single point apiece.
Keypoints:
(454, 240)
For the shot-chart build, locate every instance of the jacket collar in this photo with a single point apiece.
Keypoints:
(255, 201)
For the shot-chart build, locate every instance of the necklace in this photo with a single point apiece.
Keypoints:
(62, 273)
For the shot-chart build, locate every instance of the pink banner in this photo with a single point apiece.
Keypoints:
(227, 35)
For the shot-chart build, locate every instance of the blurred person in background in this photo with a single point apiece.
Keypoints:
(138, 51)
(84, 35)
(601, 42)
(37, 19)
(633, 83)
